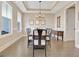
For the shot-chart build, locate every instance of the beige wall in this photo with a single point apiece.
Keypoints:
(8, 39)
(0, 18)
(62, 19)
(49, 21)
(63, 23)
(70, 26)
(66, 24)
(77, 26)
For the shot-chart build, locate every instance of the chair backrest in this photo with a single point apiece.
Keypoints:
(28, 30)
(43, 33)
(39, 40)
(49, 31)
(43, 37)
(36, 32)
(35, 37)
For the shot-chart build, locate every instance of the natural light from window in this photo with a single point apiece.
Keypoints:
(6, 18)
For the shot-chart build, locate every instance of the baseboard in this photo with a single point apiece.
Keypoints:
(3, 47)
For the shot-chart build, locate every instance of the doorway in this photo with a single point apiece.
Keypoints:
(70, 23)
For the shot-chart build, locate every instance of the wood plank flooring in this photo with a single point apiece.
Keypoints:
(58, 49)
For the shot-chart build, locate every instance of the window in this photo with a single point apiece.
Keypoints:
(6, 18)
(6, 10)
(19, 22)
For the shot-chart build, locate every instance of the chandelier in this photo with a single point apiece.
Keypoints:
(40, 15)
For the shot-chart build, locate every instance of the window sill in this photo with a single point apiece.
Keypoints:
(1, 36)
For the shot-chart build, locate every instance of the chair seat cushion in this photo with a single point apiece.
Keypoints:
(47, 38)
(35, 42)
(42, 42)
(30, 38)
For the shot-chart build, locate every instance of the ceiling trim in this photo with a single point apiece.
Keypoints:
(55, 4)
(24, 5)
(34, 9)
(43, 10)
(13, 5)
(65, 7)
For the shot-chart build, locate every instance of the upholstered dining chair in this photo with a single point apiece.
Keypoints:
(29, 36)
(39, 40)
(49, 35)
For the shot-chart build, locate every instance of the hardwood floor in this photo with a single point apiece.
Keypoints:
(58, 49)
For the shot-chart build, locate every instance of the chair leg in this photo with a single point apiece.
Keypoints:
(50, 43)
(62, 37)
(45, 52)
(33, 52)
(28, 41)
(57, 37)
(28, 44)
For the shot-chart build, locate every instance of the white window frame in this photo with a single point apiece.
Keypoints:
(10, 18)
(19, 19)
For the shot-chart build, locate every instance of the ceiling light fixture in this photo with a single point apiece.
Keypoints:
(40, 15)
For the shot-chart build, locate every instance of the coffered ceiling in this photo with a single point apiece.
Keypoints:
(34, 5)
(46, 6)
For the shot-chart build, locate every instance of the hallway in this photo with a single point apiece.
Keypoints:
(58, 49)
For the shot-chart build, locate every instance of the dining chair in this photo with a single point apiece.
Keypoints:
(29, 36)
(39, 40)
(49, 35)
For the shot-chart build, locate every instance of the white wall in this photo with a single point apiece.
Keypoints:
(61, 13)
(8, 39)
(77, 26)
(49, 20)
(70, 24)
(63, 23)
